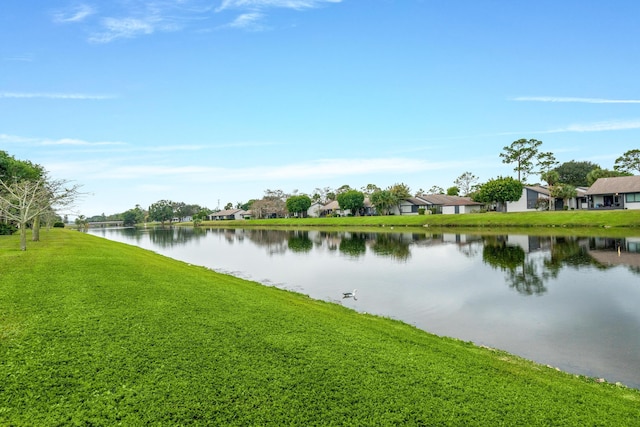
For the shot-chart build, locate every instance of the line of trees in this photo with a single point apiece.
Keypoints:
(30, 197)
(525, 155)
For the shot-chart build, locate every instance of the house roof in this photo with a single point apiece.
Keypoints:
(445, 200)
(419, 201)
(538, 189)
(619, 184)
(226, 212)
(331, 205)
(334, 205)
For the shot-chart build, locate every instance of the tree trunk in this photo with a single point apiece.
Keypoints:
(36, 229)
(23, 236)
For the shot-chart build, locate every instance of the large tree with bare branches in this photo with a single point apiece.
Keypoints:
(25, 201)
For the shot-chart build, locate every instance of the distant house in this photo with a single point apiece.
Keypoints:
(580, 201)
(450, 205)
(315, 209)
(532, 196)
(410, 206)
(461, 206)
(621, 192)
(227, 215)
(333, 208)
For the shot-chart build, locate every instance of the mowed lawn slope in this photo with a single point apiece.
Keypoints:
(94, 332)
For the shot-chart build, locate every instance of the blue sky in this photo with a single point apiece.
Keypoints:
(211, 102)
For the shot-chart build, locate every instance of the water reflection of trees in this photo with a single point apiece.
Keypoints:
(392, 245)
(354, 245)
(173, 236)
(522, 273)
(299, 241)
(527, 273)
(528, 261)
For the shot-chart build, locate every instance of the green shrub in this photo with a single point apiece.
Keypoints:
(7, 229)
(58, 224)
(421, 211)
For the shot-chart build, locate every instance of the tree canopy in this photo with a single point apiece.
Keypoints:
(161, 211)
(352, 200)
(383, 200)
(299, 204)
(521, 153)
(629, 162)
(575, 173)
(499, 190)
(465, 183)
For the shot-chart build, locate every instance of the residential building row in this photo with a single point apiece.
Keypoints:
(604, 194)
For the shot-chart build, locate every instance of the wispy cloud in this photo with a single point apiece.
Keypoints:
(575, 100)
(78, 143)
(135, 18)
(254, 10)
(19, 58)
(114, 28)
(247, 21)
(14, 139)
(611, 125)
(259, 4)
(599, 126)
(75, 14)
(54, 95)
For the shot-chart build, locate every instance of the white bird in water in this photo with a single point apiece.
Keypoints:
(350, 294)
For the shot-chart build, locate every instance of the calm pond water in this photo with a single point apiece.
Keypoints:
(568, 302)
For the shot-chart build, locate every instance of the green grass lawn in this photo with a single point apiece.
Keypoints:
(572, 219)
(94, 332)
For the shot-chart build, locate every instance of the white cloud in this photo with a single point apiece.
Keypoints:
(122, 28)
(26, 95)
(247, 21)
(576, 100)
(14, 139)
(600, 126)
(77, 142)
(135, 18)
(76, 14)
(259, 4)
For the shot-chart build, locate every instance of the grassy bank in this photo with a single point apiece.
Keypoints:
(572, 219)
(94, 332)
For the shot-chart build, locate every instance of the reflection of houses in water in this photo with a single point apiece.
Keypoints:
(529, 243)
(461, 238)
(612, 252)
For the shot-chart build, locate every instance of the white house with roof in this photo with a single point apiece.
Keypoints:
(451, 205)
(229, 214)
(622, 192)
(532, 196)
(436, 203)
(315, 210)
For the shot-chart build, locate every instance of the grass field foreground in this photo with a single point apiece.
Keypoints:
(94, 332)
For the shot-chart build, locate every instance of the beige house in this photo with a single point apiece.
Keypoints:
(622, 192)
